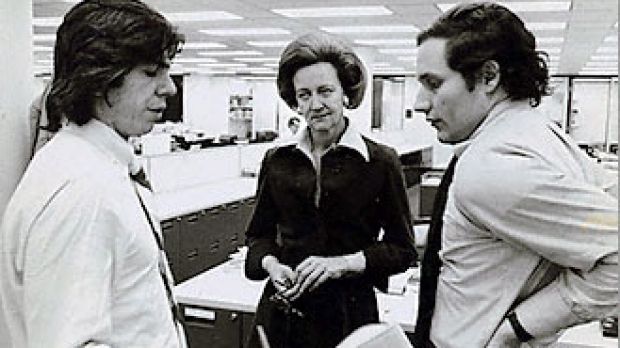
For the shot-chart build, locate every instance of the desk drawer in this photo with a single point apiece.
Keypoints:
(216, 328)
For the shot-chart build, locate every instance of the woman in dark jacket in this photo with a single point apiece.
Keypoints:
(332, 219)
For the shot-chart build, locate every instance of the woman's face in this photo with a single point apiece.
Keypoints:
(319, 96)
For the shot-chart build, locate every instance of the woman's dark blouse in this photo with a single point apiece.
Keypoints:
(358, 198)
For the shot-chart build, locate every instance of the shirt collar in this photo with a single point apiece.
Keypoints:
(108, 141)
(351, 138)
(495, 114)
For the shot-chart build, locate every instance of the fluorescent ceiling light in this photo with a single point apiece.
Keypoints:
(604, 58)
(371, 29)
(250, 78)
(602, 64)
(202, 45)
(216, 71)
(257, 70)
(257, 59)
(599, 68)
(550, 50)
(390, 69)
(403, 51)
(44, 37)
(524, 6)
(599, 71)
(407, 58)
(378, 64)
(354, 11)
(44, 61)
(195, 60)
(538, 26)
(385, 42)
(268, 43)
(37, 48)
(271, 65)
(46, 21)
(245, 31)
(230, 53)
(607, 49)
(222, 65)
(199, 16)
(549, 40)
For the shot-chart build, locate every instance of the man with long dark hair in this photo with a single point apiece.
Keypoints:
(81, 262)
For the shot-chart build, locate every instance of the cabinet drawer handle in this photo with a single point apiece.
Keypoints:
(192, 218)
(192, 254)
(215, 246)
(199, 313)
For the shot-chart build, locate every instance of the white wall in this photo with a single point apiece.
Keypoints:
(265, 104)
(392, 104)
(612, 122)
(555, 106)
(361, 118)
(419, 130)
(206, 102)
(590, 107)
(16, 91)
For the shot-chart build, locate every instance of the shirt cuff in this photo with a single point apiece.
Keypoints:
(546, 312)
(355, 263)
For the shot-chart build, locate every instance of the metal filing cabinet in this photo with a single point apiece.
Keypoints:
(170, 232)
(198, 241)
(414, 165)
(216, 225)
(192, 250)
(215, 328)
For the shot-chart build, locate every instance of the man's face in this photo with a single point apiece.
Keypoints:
(140, 101)
(319, 96)
(443, 96)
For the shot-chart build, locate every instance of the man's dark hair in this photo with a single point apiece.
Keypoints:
(479, 32)
(97, 44)
(319, 47)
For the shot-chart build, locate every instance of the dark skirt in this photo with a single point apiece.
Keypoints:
(321, 319)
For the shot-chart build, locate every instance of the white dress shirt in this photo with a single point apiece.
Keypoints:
(524, 200)
(79, 262)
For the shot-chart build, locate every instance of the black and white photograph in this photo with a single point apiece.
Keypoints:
(309, 174)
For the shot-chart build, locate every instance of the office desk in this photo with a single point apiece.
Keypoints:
(223, 293)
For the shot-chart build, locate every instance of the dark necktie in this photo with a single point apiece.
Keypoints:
(431, 263)
(140, 178)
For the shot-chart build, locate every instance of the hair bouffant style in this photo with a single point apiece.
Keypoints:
(97, 44)
(317, 47)
(479, 32)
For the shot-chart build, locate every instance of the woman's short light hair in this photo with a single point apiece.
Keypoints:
(318, 47)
